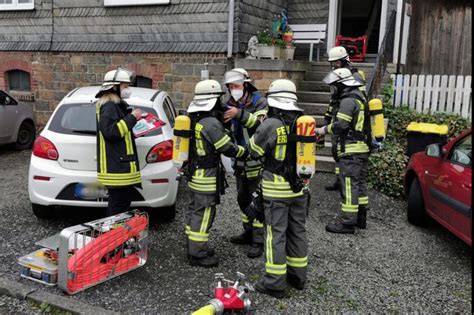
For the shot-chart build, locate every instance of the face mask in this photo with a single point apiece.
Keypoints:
(126, 93)
(237, 94)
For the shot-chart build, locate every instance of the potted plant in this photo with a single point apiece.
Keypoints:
(288, 35)
(266, 46)
(290, 51)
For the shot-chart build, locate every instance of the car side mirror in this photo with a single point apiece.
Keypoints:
(435, 150)
(8, 100)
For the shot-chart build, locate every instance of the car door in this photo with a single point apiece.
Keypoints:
(450, 192)
(8, 117)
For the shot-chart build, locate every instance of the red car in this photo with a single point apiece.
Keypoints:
(438, 183)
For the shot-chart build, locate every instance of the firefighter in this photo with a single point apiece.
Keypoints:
(285, 201)
(205, 170)
(351, 127)
(117, 160)
(339, 58)
(247, 108)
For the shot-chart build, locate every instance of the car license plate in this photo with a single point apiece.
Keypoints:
(90, 191)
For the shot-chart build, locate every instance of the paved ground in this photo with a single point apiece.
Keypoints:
(392, 267)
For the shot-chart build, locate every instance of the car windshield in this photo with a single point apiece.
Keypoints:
(80, 119)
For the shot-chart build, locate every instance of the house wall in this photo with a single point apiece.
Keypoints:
(440, 37)
(54, 75)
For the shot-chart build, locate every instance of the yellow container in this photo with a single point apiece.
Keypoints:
(428, 128)
(181, 140)
(306, 149)
(377, 119)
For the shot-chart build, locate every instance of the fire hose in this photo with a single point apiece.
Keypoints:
(228, 298)
(105, 255)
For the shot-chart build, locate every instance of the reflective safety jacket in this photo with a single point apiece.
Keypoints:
(117, 160)
(350, 123)
(210, 140)
(270, 142)
(359, 76)
(245, 123)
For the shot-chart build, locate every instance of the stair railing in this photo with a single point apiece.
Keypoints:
(384, 57)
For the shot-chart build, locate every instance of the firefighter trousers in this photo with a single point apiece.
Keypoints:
(353, 177)
(245, 188)
(199, 218)
(286, 245)
(119, 200)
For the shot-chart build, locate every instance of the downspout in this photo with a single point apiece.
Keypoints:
(400, 40)
(230, 36)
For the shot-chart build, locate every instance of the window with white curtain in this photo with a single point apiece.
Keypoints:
(12, 5)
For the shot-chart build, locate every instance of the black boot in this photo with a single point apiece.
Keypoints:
(260, 287)
(242, 239)
(339, 227)
(362, 217)
(206, 262)
(255, 251)
(335, 186)
(210, 252)
(295, 282)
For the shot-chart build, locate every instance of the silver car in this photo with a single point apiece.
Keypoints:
(17, 123)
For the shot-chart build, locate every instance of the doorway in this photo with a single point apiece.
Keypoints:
(358, 18)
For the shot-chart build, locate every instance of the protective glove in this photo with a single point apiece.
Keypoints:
(320, 131)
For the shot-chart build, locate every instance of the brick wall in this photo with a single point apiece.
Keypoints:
(53, 75)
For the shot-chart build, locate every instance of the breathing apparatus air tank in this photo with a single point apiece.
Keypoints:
(182, 136)
(377, 119)
(306, 147)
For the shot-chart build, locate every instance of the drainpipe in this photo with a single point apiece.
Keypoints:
(400, 40)
(230, 37)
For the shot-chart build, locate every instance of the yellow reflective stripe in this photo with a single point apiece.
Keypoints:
(262, 112)
(240, 151)
(102, 153)
(205, 219)
(275, 269)
(251, 121)
(255, 147)
(198, 237)
(362, 74)
(348, 191)
(187, 229)
(204, 180)
(281, 194)
(344, 117)
(245, 219)
(269, 251)
(330, 129)
(208, 188)
(222, 142)
(350, 208)
(360, 120)
(337, 170)
(280, 152)
(363, 200)
(121, 129)
(297, 262)
(252, 174)
(257, 224)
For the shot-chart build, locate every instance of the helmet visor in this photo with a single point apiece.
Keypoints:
(122, 72)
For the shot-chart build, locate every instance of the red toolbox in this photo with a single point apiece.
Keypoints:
(356, 46)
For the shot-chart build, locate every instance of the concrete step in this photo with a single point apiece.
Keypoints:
(313, 97)
(315, 75)
(314, 108)
(313, 86)
(325, 164)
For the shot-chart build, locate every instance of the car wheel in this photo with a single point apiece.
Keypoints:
(26, 136)
(42, 212)
(416, 212)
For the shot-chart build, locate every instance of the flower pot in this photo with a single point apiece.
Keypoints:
(289, 53)
(268, 52)
(288, 37)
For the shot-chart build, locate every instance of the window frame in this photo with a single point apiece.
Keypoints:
(20, 72)
(15, 6)
(118, 3)
(455, 146)
(169, 107)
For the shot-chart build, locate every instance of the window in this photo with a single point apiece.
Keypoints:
(143, 82)
(133, 2)
(6, 5)
(169, 111)
(462, 152)
(19, 80)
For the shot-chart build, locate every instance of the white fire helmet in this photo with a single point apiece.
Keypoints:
(115, 77)
(337, 53)
(282, 95)
(341, 75)
(206, 94)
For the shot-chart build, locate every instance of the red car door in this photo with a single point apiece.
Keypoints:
(451, 187)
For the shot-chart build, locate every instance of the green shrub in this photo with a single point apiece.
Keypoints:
(387, 168)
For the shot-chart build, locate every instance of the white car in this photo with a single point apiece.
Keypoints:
(63, 167)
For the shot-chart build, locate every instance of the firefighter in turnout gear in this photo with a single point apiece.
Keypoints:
(285, 201)
(206, 177)
(247, 108)
(351, 128)
(117, 160)
(339, 58)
